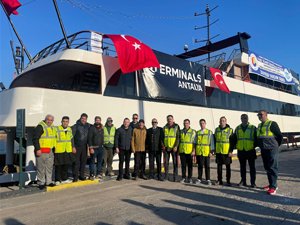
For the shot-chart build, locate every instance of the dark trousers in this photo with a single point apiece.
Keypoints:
(186, 160)
(166, 163)
(97, 156)
(61, 172)
(80, 162)
(249, 156)
(270, 160)
(124, 155)
(203, 161)
(155, 156)
(228, 172)
(108, 156)
(139, 163)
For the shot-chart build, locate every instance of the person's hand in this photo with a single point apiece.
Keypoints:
(117, 150)
(92, 151)
(74, 150)
(38, 153)
(230, 154)
(193, 153)
(175, 149)
(210, 155)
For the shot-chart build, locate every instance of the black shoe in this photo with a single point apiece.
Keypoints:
(219, 182)
(243, 183)
(119, 178)
(82, 178)
(151, 177)
(253, 186)
(144, 177)
(75, 180)
(160, 179)
(127, 177)
(42, 187)
(51, 185)
(228, 183)
(174, 178)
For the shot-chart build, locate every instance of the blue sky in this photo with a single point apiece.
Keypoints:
(164, 25)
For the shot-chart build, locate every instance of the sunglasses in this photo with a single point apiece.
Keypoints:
(259, 114)
(135, 118)
(154, 122)
(109, 120)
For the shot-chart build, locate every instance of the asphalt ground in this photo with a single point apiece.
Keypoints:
(154, 202)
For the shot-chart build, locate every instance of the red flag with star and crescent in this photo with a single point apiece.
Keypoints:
(218, 78)
(11, 6)
(132, 53)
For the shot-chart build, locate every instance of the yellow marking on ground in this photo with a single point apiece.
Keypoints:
(72, 185)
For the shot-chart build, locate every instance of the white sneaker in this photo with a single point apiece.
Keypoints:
(198, 181)
(67, 181)
(58, 183)
(182, 180)
(208, 182)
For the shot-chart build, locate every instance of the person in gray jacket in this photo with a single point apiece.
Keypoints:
(123, 148)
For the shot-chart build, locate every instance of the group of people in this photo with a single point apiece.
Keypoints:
(65, 147)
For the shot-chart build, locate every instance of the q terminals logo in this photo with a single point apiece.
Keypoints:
(253, 62)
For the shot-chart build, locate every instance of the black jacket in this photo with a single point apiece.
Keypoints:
(96, 136)
(123, 138)
(80, 133)
(154, 139)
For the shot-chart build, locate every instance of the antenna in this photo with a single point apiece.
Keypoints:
(208, 24)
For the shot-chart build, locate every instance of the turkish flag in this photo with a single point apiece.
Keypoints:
(218, 78)
(133, 54)
(11, 6)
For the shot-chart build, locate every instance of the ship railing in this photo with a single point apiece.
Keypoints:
(80, 40)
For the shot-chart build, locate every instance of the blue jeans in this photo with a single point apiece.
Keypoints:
(270, 160)
(98, 154)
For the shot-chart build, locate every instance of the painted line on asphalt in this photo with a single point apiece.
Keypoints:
(72, 185)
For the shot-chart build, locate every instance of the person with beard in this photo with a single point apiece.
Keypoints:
(80, 133)
(95, 142)
(223, 136)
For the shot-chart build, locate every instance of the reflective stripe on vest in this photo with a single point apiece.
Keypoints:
(170, 136)
(63, 140)
(222, 140)
(245, 140)
(187, 141)
(109, 138)
(203, 142)
(47, 140)
(263, 130)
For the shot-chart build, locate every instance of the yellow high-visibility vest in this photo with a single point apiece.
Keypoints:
(170, 136)
(63, 140)
(245, 139)
(47, 140)
(222, 140)
(187, 141)
(109, 138)
(264, 131)
(203, 142)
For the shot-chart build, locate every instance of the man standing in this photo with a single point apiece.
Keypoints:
(245, 141)
(95, 142)
(171, 136)
(186, 150)
(135, 121)
(109, 140)
(204, 147)
(269, 139)
(80, 132)
(44, 143)
(223, 135)
(154, 142)
(138, 142)
(63, 151)
(122, 144)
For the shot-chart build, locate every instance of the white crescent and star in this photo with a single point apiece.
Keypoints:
(123, 36)
(219, 74)
(135, 45)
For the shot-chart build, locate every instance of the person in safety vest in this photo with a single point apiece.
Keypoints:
(154, 142)
(223, 134)
(108, 153)
(123, 148)
(171, 136)
(269, 139)
(245, 141)
(204, 146)
(64, 150)
(187, 150)
(95, 142)
(80, 132)
(138, 146)
(44, 143)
